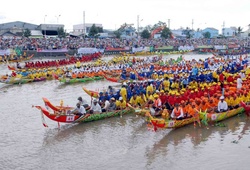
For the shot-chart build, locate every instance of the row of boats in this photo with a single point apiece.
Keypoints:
(22, 76)
(62, 114)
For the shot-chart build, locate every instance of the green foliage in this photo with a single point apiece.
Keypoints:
(145, 34)
(159, 24)
(239, 30)
(207, 35)
(61, 32)
(166, 33)
(188, 32)
(100, 29)
(93, 31)
(27, 32)
(117, 34)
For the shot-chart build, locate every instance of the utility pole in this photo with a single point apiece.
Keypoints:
(223, 28)
(138, 26)
(83, 25)
(192, 24)
(45, 26)
(168, 23)
(57, 17)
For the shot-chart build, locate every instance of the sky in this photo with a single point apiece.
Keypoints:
(113, 13)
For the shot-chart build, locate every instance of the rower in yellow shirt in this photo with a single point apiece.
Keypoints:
(78, 64)
(134, 100)
(150, 89)
(150, 96)
(123, 92)
(215, 75)
(142, 99)
(166, 84)
(121, 104)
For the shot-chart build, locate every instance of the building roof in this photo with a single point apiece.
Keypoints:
(7, 33)
(18, 24)
(211, 28)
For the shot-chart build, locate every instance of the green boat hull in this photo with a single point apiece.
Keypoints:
(79, 80)
(216, 117)
(95, 117)
(18, 81)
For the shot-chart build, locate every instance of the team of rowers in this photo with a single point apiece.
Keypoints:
(62, 62)
(176, 102)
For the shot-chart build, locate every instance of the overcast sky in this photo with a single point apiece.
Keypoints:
(113, 13)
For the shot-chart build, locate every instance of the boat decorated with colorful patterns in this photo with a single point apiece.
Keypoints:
(207, 118)
(168, 123)
(14, 80)
(63, 114)
(91, 93)
(119, 80)
(79, 80)
(5, 59)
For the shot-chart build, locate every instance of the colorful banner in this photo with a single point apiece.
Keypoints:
(89, 50)
(117, 49)
(4, 52)
(220, 47)
(204, 46)
(63, 50)
(233, 46)
(165, 48)
(18, 51)
(140, 49)
(184, 48)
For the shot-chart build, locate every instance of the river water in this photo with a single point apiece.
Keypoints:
(111, 144)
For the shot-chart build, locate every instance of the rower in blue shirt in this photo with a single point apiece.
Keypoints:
(202, 77)
(132, 76)
(123, 76)
(195, 71)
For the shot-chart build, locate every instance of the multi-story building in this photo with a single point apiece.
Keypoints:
(229, 32)
(213, 32)
(81, 29)
(17, 28)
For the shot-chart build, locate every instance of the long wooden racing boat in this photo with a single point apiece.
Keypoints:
(91, 92)
(119, 80)
(165, 123)
(16, 60)
(216, 117)
(79, 80)
(57, 109)
(14, 80)
(72, 118)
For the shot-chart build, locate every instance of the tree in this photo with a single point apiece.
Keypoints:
(188, 32)
(93, 31)
(117, 34)
(61, 32)
(166, 33)
(145, 34)
(148, 27)
(239, 31)
(159, 24)
(100, 29)
(27, 32)
(207, 35)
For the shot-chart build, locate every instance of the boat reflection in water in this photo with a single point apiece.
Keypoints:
(192, 141)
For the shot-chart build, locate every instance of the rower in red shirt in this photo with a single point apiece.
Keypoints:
(163, 97)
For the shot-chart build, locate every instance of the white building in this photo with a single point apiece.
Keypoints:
(80, 29)
(229, 32)
(178, 33)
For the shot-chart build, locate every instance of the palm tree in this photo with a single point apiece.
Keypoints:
(239, 31)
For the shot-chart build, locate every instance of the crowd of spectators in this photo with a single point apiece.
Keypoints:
(75, 43)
